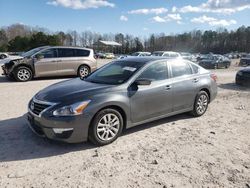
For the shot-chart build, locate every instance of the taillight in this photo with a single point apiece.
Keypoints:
(213, 76)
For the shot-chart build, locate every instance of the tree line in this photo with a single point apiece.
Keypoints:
(18, 37)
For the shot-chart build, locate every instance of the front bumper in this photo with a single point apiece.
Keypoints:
(76, 127)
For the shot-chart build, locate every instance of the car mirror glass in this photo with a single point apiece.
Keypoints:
(39, 56)
(143, 82)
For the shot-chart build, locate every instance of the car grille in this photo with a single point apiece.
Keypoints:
(37, 107)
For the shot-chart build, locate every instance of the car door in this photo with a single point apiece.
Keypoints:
(153, 100)
(184, 85)
(68, 62)
(45, 63)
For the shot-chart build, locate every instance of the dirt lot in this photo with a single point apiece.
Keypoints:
(181, 151)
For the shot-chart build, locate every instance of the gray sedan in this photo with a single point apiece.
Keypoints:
(118, 96)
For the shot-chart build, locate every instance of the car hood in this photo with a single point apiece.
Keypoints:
(10, 58)
(246, 70)
(70, 90)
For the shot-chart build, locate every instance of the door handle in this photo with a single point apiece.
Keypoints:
(168, 87)
(195, 80)
(59, 61)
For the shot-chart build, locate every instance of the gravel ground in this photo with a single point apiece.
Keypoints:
(180, 151)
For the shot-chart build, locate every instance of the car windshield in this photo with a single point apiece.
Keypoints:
(31, 52)
(115, 73)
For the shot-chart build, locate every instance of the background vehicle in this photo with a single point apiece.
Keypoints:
(121, 94)
(51, 61)
(100, 55)
(136, 54)
(140, 54)
(3, 56)
(188, 56)
(245, 61)
(243, 77)
(213, 61)
(109, 56)
(166, 54)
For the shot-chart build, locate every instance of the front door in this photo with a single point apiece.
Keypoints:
(46, 63)
(154, 100)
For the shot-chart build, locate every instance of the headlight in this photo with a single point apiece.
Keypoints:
(240, 73)
(72, 110)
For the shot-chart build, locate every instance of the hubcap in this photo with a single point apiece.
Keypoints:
(84, 71)
(23, 74)
(108, 127)
(201, 105)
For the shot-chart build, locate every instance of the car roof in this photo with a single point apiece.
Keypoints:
(70, 47)
(145, 60)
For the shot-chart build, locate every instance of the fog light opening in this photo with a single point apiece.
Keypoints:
(61, 130)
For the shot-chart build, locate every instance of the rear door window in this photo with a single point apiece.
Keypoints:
(180, 68)
(65, 52)
(81, 53)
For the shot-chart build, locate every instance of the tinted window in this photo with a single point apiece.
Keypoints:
(82, 53)
(155, 72)
(180, 69)
(49, 53)
(65, 52)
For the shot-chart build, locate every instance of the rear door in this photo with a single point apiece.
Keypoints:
(184, 85)
(70, 59)
(46, 63)
(153, 100)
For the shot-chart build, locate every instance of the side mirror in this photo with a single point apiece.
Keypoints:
(142, 82)
(39, 56)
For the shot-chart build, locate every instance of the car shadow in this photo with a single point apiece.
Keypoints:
(18, 142)
(234, 87)
(10, 80)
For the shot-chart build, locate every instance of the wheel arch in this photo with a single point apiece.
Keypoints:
(115, 107)
(207, 91)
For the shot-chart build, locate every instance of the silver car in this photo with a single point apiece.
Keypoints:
(49, 61)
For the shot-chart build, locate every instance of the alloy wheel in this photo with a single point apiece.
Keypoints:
(23, 74)
(83, 71)
(108, 127)
(202, 103)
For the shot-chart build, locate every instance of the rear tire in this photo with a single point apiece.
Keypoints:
(106, 127)
(23, 74)
(200, 104)
(83, 71)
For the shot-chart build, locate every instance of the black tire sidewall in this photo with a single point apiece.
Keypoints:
(17, 70)
(194, 112)
(93, 127)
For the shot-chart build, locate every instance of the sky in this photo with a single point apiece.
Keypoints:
(136, 17)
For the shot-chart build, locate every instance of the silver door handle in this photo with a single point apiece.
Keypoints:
(168, 87)
(195, 80)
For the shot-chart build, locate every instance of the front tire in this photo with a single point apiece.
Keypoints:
(106, 127)
(23, 74)
(200, 104)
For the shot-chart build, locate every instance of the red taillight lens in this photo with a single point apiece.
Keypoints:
(214, 77)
